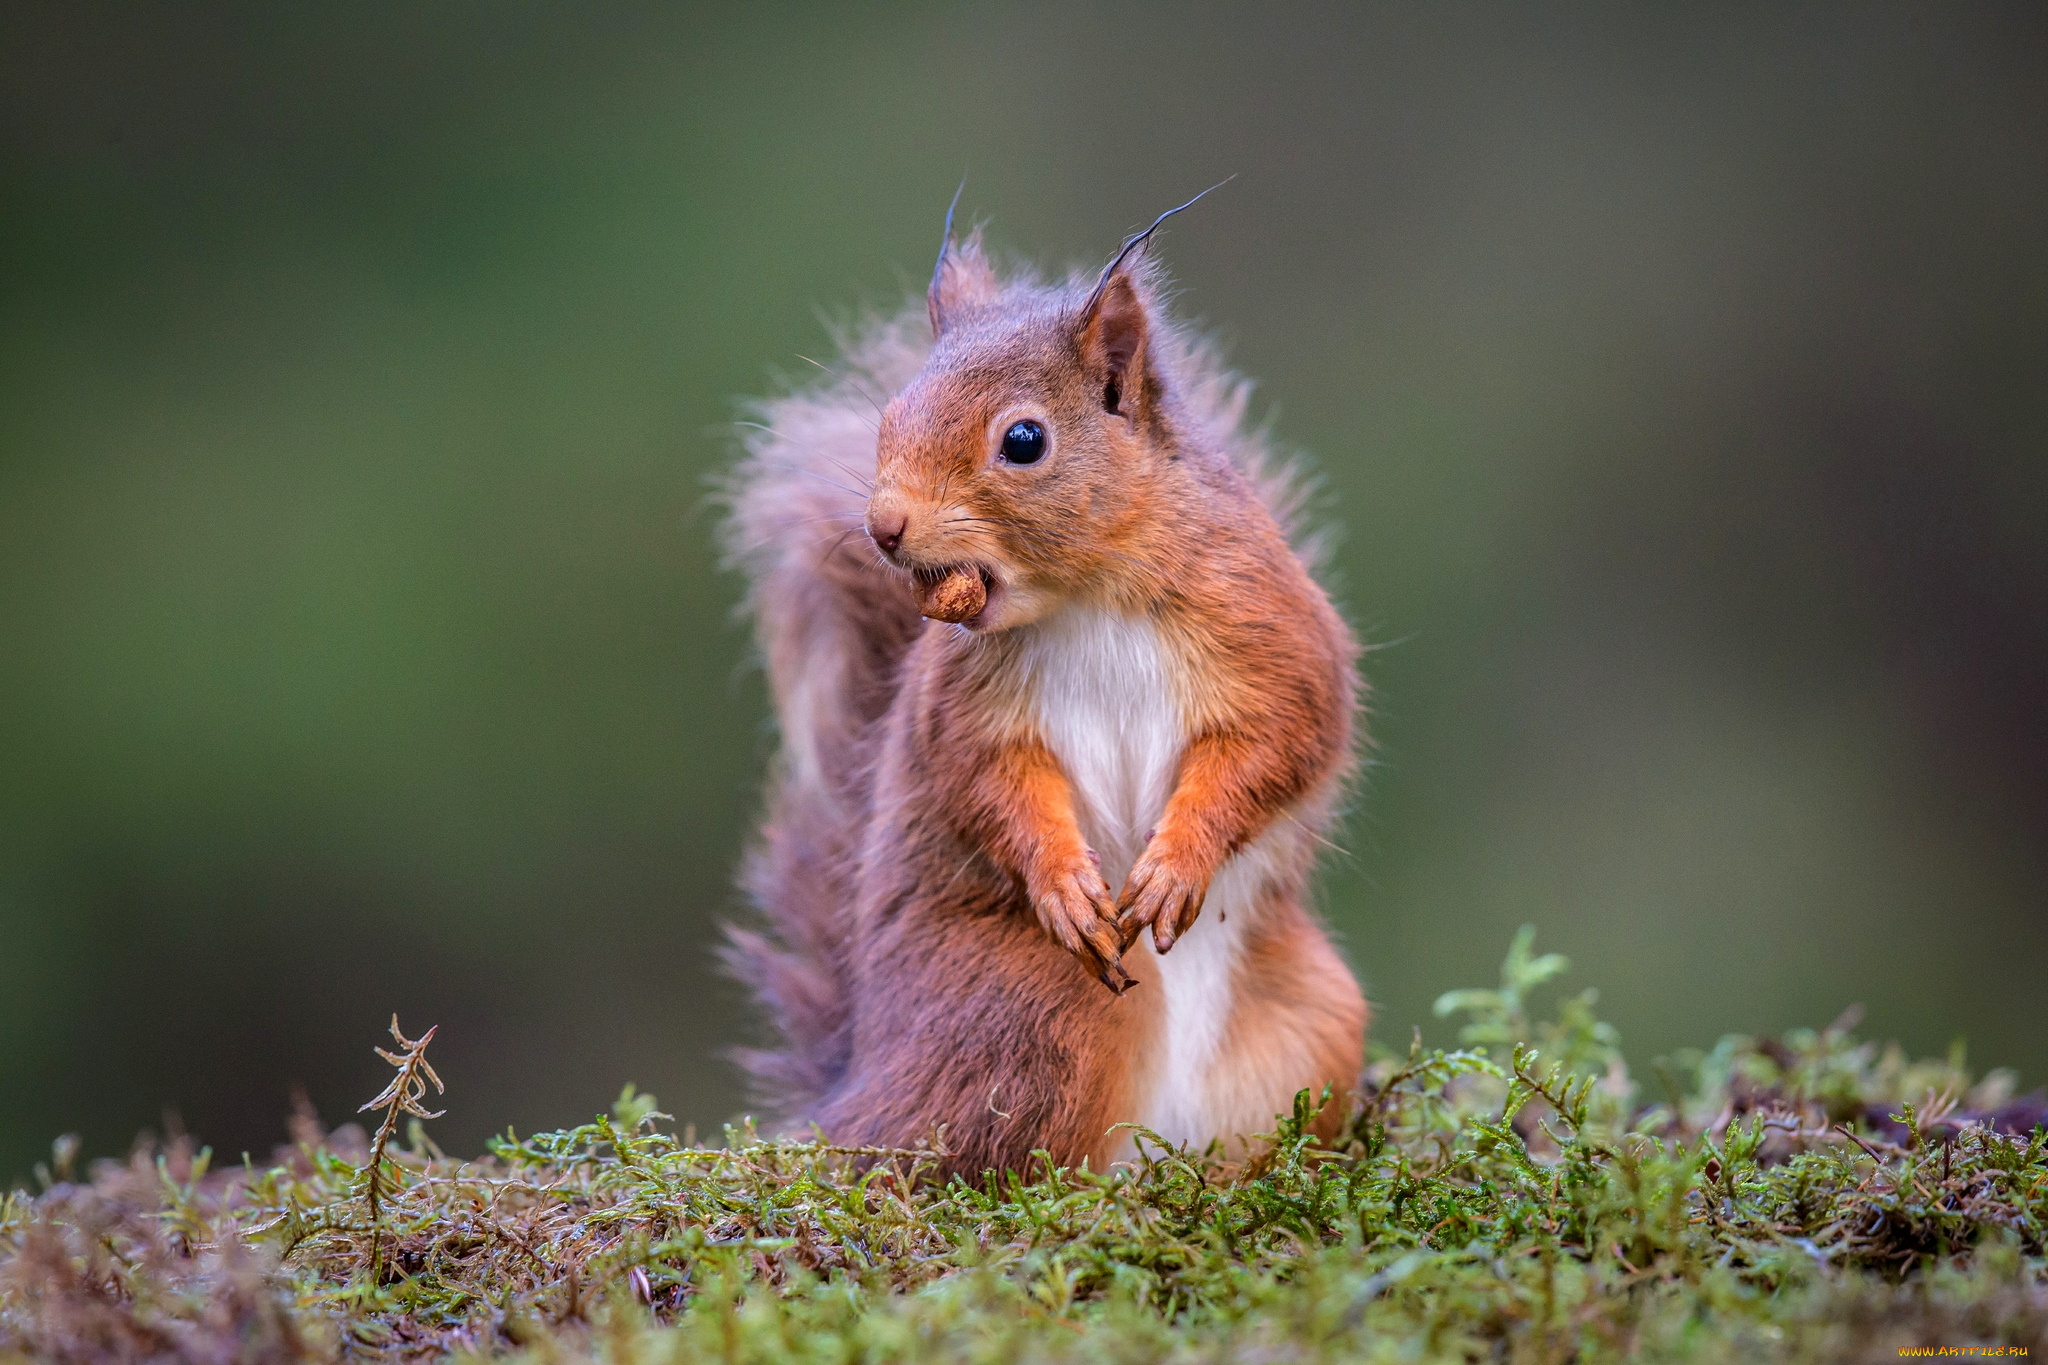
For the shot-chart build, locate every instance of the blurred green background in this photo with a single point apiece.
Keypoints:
(1679, 376)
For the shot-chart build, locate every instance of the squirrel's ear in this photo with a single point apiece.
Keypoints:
(1114, 328)
(1115, 322)
(962, 279)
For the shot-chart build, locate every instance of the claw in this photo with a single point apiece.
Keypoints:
(1120, 981)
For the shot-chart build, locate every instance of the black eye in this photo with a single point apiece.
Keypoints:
(1024, 443)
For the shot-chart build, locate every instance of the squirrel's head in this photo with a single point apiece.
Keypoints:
(1021, 451)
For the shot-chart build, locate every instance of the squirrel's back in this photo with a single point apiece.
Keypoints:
(834, 625)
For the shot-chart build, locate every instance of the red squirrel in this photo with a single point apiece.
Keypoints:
(1061, 709)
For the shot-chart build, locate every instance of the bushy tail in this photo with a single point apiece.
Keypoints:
(832, 628)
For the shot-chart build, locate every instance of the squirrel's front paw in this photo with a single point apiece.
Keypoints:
(1076, 910)
(1164, 891)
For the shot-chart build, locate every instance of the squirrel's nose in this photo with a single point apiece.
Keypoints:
(886, 530)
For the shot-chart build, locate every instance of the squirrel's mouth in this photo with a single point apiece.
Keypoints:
(959, 593)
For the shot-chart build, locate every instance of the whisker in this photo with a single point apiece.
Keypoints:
(843, 467)
(965, 863)
(812, 473)
(846, 379)
(1296, 822)
(833, 548)
(781, 435)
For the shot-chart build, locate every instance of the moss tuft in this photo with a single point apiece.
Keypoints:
(1806, 1197)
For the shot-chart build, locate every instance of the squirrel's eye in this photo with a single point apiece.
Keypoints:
(1024, 443)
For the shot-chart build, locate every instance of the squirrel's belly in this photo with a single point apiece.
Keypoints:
(1106, 700)
(1196, 1090)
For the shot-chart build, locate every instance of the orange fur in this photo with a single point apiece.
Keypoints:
(1153, 649)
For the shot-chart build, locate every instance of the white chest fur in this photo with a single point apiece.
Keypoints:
(1106, 698)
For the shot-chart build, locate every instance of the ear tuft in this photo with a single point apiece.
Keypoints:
(1114, 321)
(961, 280)
(1114, 328)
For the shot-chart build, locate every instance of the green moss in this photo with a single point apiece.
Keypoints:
(1508, 1200)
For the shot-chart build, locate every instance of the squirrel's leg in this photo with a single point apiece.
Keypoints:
(1231, 787)
(1018, 808)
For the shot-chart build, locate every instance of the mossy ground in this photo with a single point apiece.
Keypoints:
(1810, 1197)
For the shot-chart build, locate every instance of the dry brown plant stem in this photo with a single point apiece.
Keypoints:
(402, 1096)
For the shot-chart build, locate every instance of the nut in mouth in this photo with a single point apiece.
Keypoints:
(957, 592)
